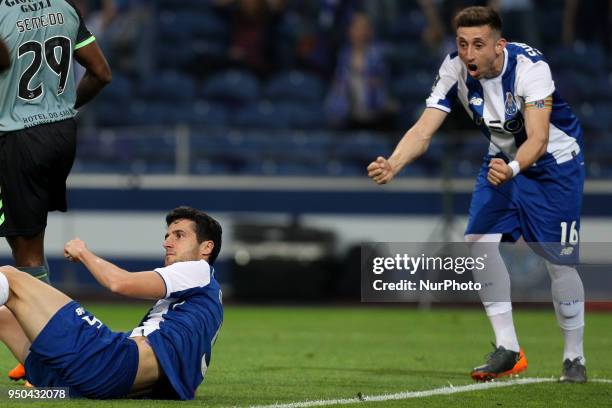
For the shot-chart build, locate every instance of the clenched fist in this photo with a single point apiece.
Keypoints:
(380, 171)
(73, 249)
(499, 172)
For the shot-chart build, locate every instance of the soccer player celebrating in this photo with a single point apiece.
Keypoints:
(530, 183)
(166, 356)
(37, 129)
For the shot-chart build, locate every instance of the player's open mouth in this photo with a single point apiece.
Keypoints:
(472, 68)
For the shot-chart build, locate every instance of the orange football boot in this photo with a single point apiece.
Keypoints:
(17, 373)
(501, 363)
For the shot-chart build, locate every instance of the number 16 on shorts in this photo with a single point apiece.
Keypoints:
(570, 236)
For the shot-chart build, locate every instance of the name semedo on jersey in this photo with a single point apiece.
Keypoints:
(34, 23)
(28, 5)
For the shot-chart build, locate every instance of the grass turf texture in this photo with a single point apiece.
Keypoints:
(268, 355)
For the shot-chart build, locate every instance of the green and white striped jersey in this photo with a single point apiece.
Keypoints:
(39, 87)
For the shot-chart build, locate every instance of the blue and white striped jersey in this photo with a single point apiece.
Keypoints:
(183, 326)
(497, 105)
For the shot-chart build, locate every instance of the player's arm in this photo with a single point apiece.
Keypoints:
(97, 76)
(414, 143)
(537, 124)
(140, 285)
(5, 58)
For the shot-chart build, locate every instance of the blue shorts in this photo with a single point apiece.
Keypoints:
(77, 351)
(542, 204)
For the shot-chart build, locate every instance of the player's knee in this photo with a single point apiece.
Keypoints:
(5, 272)
(9, 271)
(561, 272)
(13, 274)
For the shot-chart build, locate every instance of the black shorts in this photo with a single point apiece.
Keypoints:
(34, 165)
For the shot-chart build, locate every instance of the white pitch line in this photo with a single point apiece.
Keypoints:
(419, 394)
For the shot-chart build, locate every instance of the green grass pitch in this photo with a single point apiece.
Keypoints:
(266, 355)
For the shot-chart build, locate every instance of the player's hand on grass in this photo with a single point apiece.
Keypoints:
(381, 171)
(73, 249)
(499, 172)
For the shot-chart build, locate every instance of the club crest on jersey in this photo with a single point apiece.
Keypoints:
(510, 105)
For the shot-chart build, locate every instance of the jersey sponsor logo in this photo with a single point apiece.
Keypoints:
(567, 251)
(510, 105)
(514, 125)
(476, 101)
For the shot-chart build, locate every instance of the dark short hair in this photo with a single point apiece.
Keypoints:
(477, 16)
(207, 228)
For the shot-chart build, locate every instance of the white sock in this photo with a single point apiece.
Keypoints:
(568, 300)
(4, 289)
(495, 292)
(505, 335)
(573, 344)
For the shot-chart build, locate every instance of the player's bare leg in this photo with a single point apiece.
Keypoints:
(29, 255)
(12, 335)
(32, 302)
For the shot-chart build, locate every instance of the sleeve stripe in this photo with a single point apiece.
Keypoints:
(165, 284)
(438, 107)
(85, 42)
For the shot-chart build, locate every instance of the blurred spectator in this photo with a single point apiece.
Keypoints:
(439, 34)
(359, 97)
(519, 20)
(587, 21)
(320, 29)
(254, 25)
(98, 14)
(122, 28)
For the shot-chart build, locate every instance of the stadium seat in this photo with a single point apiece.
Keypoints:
(173, 5)
(261, 115)
(171, 86)
(596, 116)
(198, 24)
(410, 54)
(586, 59)
(119, 90)
(109, 113)
(207, 113)
(414, 85)
(232, 86)
(302, 116)
(407, 28)
(295, 86)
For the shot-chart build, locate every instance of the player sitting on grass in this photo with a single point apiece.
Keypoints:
(63, 345)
